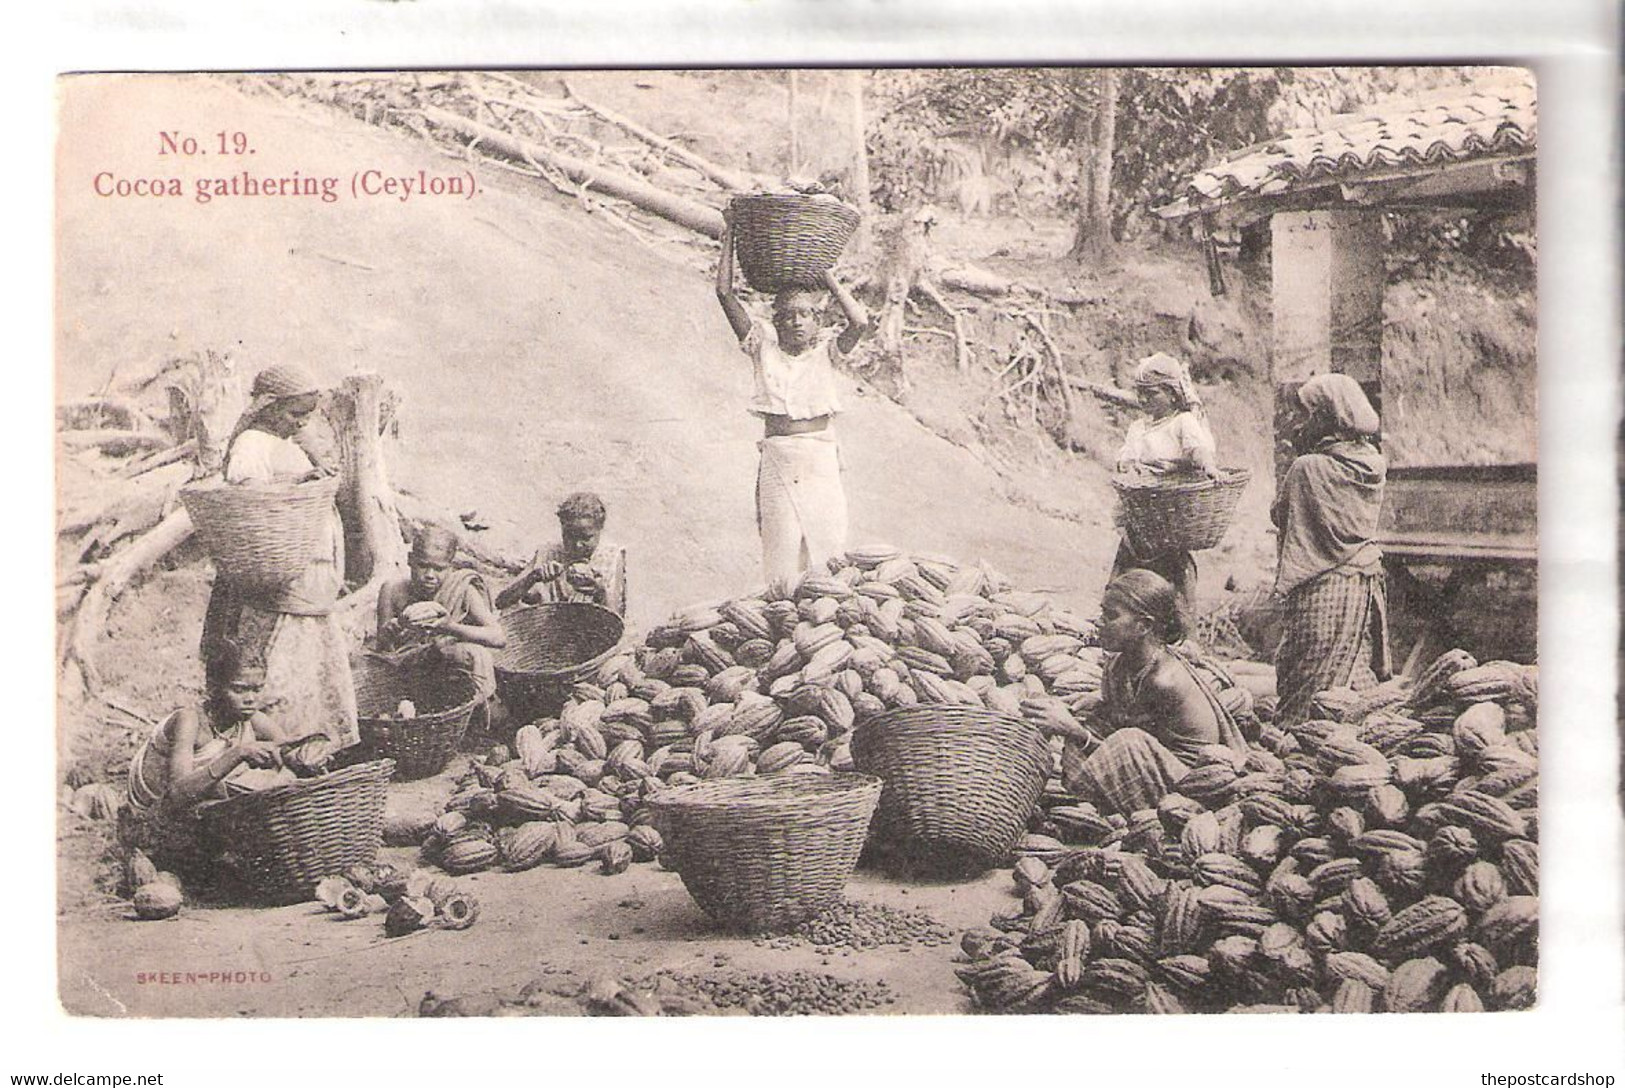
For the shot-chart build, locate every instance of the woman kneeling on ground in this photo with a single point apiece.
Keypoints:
(228, 745)
(1159, 707)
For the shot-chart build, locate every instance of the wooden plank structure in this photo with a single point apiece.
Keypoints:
(1323, 192)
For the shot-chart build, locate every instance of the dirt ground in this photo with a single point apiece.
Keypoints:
(536, 352)
(547, 921)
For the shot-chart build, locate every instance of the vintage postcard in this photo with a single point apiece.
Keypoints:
(797, 541)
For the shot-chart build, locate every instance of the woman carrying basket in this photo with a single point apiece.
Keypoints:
(1329, 566)
(1175, 438)
(291, 628)
(800, 502)
(1160, 703)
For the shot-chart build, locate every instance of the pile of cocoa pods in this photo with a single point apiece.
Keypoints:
(1381, 858)
(771, 683)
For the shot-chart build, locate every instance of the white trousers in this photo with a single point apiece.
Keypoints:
(800, 503)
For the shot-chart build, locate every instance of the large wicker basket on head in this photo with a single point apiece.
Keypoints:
(961, 783)
(262, 534)
(551, 647)
(1182, 513)
(277, 843)
(442, 698)
(790, 239)
(762, 854)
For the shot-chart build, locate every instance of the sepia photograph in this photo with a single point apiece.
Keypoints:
(790, 542)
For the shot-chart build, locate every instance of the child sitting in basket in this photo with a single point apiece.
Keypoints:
(442, 613)
(800, 501)
(226, 746)
(1173, 439)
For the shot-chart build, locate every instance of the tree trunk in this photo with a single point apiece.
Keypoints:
(795, 129)
(373, 545)
(860, 150)
(1093, 240)
(732, 180)
(687, 213)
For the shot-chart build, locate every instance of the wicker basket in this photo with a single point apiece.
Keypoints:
(263, 534)
(551, 647)
(1178, 513)
(443, 697)
(961, 783)
(789, 240)
(277, 843)
(761, 854)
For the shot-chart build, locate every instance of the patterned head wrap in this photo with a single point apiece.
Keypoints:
(1339, 399)
(1153, 598)
(274, 383)
(1163, 371)
(283, 380)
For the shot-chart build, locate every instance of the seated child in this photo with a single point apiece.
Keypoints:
(443, 610)
(580, 567)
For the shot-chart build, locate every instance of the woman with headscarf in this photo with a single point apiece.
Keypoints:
(291, 628)
(1174, 438)
(1329, 566)
(1160, 705)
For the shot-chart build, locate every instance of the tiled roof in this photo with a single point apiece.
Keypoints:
(1485, 120)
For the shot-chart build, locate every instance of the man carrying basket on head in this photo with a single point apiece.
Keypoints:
(1175, 438)
(800, 502)
(291, 627)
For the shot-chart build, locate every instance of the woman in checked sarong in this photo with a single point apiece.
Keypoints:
(800, 503)
(1160, 703)
(1329, 567)
(290, 628)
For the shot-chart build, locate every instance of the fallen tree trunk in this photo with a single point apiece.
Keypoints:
(975, 281)
(732, 180)
(686, 213)
(81, 678)
(116, 443)
(143, 465)
(138, 506)
(1104, 392)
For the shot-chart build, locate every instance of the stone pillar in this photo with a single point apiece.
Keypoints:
(1327, 295)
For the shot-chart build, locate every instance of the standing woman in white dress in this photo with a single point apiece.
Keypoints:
(1173, 438)
(291, 629)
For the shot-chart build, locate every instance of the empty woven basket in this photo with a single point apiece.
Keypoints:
(960, 783)
(551, 647)
(765, 853)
